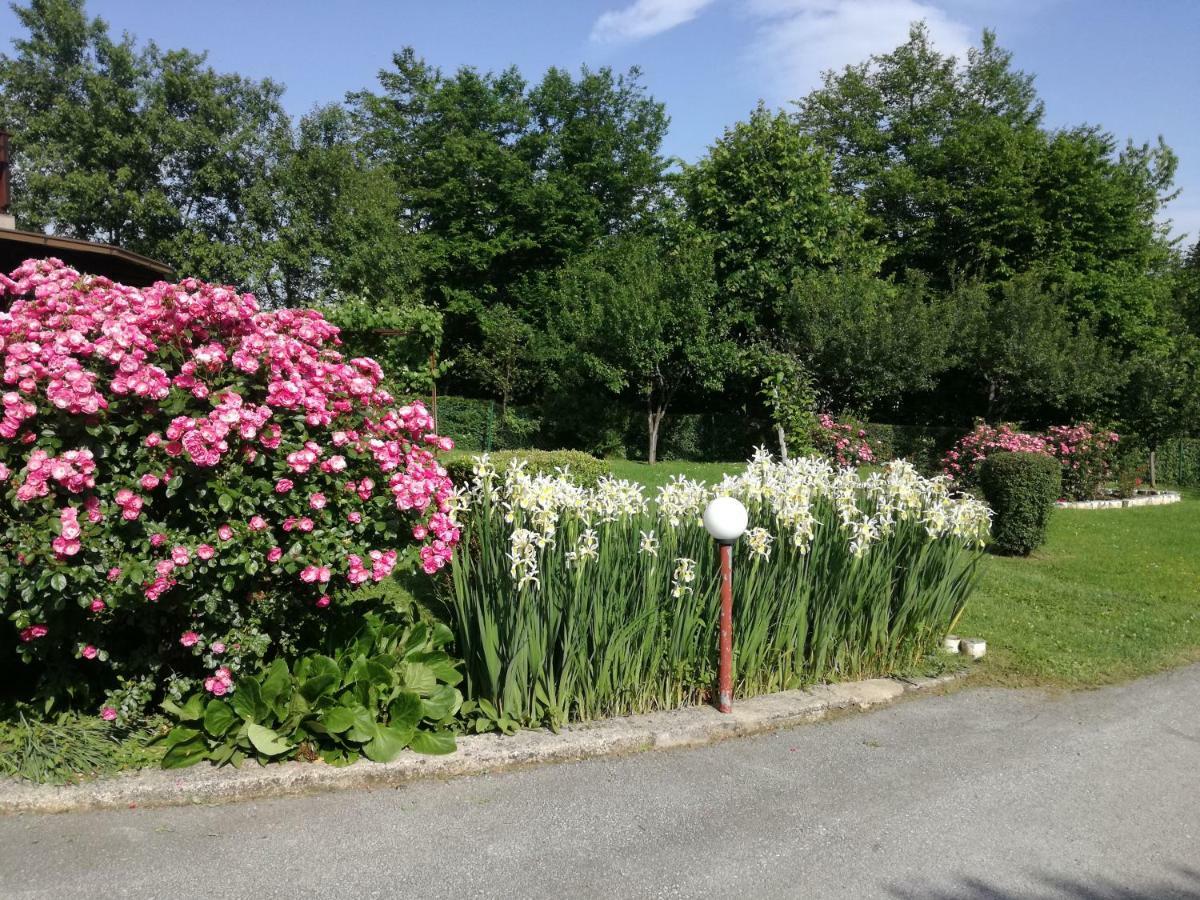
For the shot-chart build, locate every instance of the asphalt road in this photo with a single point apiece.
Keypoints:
(975, 794)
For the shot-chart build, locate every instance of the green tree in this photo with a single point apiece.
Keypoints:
(1018, 344)
(504, 183)
(867, 341)
(764, 193)
(341, 230)
(138, 146)
(639, 316)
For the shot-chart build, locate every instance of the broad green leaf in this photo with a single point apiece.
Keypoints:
(218, 718)
(418, 677)
(276, 684)
(406, 709)
(59, 581)
(363, 728)
(266, 741)
(180, 735)
(247, 701)
(182, 755)
(318, 686)
(389, 740)
(433, 742)
(444, 701)
(338, 719)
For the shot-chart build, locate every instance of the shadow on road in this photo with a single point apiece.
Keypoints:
(1185, 885)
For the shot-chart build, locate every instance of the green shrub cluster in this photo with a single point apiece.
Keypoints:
(1021, 488)
(390, 687)
(584, 469)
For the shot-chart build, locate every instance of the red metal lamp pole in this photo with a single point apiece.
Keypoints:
(725, 520)
(725, 639)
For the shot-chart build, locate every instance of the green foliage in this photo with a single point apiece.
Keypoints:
(868, 342)
(1021, 488)
(641, 316)
(1018, 345)
(147, 148)
(70, 747)
(764, 192)
(477, 424)
(391, 686)
(402, 337)
(584, 469)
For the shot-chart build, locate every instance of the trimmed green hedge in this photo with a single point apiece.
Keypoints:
(586, 470)
(1021, 489)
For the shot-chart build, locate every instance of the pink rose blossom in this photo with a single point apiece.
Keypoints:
(225, 532)
(206, 551)
(189, 639)
(108, 714)
(89, 652)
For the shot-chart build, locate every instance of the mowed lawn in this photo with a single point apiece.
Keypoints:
(1113, 595)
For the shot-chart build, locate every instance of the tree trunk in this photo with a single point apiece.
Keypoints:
(1154, 468)
(654, 417)
(783, 453)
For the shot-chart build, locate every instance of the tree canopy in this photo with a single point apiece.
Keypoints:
(910, 242)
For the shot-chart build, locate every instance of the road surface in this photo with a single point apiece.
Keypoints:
(975, 794)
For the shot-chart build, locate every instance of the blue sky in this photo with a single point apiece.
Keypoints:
(1129, 65)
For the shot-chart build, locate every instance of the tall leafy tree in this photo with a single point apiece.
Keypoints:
(147, 148)
(504, 182)
(765, 194)
(639, 316)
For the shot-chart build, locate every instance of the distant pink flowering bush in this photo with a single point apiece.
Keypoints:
(176, 461)
(1085, 452)
(845, 442)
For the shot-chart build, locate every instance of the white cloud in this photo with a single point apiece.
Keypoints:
(645, 18)
(799, 39)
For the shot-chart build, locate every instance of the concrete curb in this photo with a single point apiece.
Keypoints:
(476, 755)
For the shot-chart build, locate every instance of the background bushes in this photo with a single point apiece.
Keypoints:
(1021, 489)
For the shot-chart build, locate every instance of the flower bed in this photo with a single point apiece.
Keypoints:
(1087, 454)
(191, 482)
(572, 603)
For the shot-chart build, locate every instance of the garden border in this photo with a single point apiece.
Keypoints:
(1160, 498)
(477, 754)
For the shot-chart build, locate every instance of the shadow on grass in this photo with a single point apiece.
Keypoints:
(1183, 883)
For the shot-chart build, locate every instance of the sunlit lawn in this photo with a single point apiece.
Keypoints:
(1114, 594)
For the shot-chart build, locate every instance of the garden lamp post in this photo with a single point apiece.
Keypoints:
(725, 519)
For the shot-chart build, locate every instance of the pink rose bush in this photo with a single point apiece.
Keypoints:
(846, 443)
(176, 460)
(1087, 454)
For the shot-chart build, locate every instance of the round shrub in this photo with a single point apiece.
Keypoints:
(192, 483)
(584, 469)
(1021, 489)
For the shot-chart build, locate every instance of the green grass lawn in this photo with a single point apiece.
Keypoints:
(1113, 594)
(654, 476)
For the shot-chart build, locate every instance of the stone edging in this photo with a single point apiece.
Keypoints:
(1162, 498)
(476, 755)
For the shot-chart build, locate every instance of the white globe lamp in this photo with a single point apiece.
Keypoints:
(725, 519)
